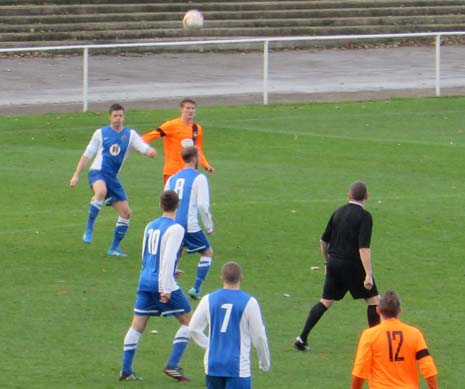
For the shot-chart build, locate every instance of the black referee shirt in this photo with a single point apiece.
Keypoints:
(348, 230)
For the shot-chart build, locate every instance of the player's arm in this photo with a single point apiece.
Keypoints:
(80, 166)
(203, 160)
(152, 135)
(258, 333)
(426, 363)
(364, 249)
(362, 363)
(203, 201)
(325, 239)
(324, 250)
(173, 236)
(199, 322)
(140, 146)
(432, 382)
(365, 256)
(89, 153)
(357, 382)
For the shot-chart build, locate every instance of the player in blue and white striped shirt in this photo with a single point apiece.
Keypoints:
(110, 146)
(194, 196)
(158, 292)
(235, 322)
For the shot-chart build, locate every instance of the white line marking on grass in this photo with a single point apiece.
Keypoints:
(345, 137)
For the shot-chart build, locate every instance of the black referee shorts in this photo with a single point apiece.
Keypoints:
(345, 275)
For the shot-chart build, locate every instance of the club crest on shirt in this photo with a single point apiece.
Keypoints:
(115, 149)
(124, 138)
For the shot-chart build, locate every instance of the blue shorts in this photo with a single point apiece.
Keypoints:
(196, 242)
(149, 304)
(115, 191)
(228, 382)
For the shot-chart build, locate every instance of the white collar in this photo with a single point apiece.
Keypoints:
(356, 202)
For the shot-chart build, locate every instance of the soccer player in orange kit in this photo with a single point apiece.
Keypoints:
(389, 354)
(179, 133)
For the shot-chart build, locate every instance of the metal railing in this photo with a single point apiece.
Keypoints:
(266, 48)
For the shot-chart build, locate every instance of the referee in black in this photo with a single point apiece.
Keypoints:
(345, 246)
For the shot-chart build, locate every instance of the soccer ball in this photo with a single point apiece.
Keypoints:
(193, 20)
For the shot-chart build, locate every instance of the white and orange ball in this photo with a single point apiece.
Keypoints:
(193, 20)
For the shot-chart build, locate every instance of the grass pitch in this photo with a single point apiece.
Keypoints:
(280, 172)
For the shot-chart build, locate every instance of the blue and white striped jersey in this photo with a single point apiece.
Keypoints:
(162, 241)
(194, 198)
(235, 322)
(111, 148)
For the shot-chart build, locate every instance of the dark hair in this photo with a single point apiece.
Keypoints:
(358, 191)
(169, 200)
(188, 153)
(116, 107)
(231, 272)
(187, 100)
(389, 304)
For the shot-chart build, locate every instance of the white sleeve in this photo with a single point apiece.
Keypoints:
(170, 244)
(199, 322)
(94, 144)
(258, 333)
(203, 201)
(137, 143)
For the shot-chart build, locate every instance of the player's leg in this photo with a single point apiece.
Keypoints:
(122, 225)
(214, 382)
(334, 289)
(372, 315)
(314, 316)
(197, 242)
(178, 303)
(203, 268)
(371, 296)
(145, 306)
(238, 382)
(100, 190)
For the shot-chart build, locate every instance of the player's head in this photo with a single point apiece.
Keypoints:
(187, 100)
(169, 201)
(116, 107)
(358, 191)
(187, 108)
(389, 304)
(116, 116)
(190, 155)
(231, 273)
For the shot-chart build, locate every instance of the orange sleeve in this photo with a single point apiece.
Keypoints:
(424, 358)
(427, 367)
(432, 382)
(357, 382)
(151, 135)
(363, 358)
(199, 143)
(157, 133)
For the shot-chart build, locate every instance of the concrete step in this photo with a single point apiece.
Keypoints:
(231, 15)
(42, 22)
(234, 24)
(93, 8)
(128, 35)
(196, 4)
(81, 2)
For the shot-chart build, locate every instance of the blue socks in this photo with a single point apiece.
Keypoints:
(94, 209)
(121, 228)
(131, 342)
(179, 346)
(202, 270)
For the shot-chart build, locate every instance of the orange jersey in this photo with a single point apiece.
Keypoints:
(173, 133)
(388, 355)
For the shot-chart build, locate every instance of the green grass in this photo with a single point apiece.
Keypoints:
(280, 172)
